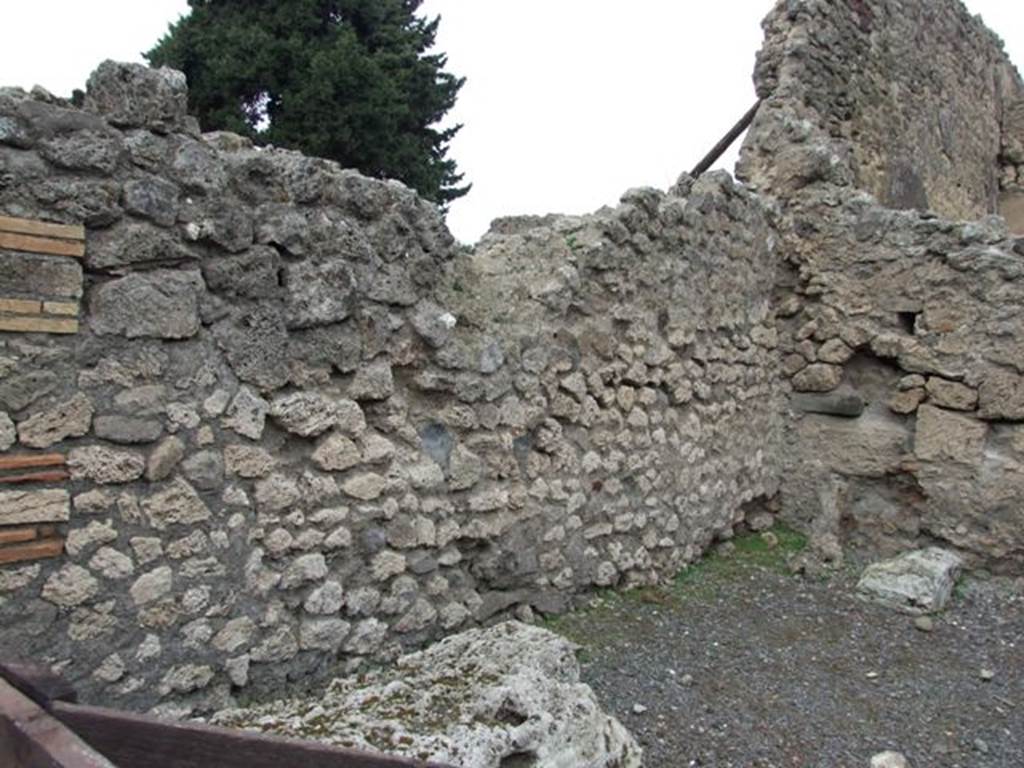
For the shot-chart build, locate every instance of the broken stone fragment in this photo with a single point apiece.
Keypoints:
(946, 435)
(521, 684)
(915, 582)
(8, 433)
(906, 401)
(304, 413)
(164, 458)
(951, 394)
(51, 505)
(105, 465)
(70, 586)
(336, 453)
(373, 381)
(127, 429)
(247, 414)
(68, 419)
(161, 304)
(818, 377)
(137, 96)
(176, 504)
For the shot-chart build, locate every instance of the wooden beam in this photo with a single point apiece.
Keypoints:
(141, 741)
(32, 244)
(38, 325)
(719, 149)
(31, 738)
(38, 682)
(42, 228)
(51, 476)
(29, 460)
(18, 535)
(36, 550)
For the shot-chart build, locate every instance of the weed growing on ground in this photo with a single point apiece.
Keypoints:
(698, 581)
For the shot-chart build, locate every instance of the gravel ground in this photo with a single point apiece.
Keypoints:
(742, 664)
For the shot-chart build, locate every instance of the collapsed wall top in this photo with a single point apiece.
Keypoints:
(911, 101)
(135, 96)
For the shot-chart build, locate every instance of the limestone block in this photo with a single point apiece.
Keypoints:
(249, 461)
(336, 453)
(869, 446)
(365, 486)
(127, 430)
(137, 96)
(322, 634)
(153, 198)
(8, 433)
(70, 586)
(177, 504)
(80, 539)
(1001, 396)
(152, 585)
(111, 563)
(951, 394)
(916, 582)
(104, 466)
(71, 418)
(161, 304)
(247, 414)
(236, 633)
(944, 435)
(164, 459)
(373, 382)
(303, 569)
(818, 377)
(304, 413)
(44, 506)
(906, 401)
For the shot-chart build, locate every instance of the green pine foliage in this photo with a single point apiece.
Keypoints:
(349, 80)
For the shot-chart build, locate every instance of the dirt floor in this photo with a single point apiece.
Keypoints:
(739, 663)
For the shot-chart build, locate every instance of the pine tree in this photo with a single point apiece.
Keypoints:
(349, 80)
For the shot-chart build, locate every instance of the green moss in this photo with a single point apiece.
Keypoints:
(698, 582)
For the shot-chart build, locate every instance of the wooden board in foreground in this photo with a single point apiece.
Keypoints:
(141, 741)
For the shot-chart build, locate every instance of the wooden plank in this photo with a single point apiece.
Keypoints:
(141, 741)
(32, 738)
(42, 228)
(38, 550)
(38, 682)
(50, 476)
(20, 306)
(38, 325)
(18, 535)
(29, 460)
(60, 308)
(33, 244)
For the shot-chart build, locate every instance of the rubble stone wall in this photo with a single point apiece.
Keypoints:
(912, 101)
(901, 331)
(305, 430)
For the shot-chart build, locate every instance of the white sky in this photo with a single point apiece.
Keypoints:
(567, 104)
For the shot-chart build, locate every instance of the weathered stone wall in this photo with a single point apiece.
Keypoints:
(901, 331)
(302, 427)
(912, 101)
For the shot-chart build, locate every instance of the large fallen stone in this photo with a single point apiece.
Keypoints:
(502, 696)
(915, 582)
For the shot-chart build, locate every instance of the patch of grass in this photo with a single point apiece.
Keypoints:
(698, 581)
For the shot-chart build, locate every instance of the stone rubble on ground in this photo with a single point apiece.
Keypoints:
(486, 698)
(915, 582)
